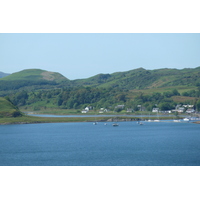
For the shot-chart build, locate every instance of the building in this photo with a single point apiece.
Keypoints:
(190, 110)
(155, 110)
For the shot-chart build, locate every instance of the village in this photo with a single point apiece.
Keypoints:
(180, 109)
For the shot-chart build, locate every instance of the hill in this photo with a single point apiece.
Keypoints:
(137, 79)
(2, 74)
(32, 79)
(7, 109)
(144, 79)
(36, 75)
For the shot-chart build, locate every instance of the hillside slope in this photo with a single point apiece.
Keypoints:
(143, 79)
(36, 75)
(137, 79)
(31, 79)
(7, 109)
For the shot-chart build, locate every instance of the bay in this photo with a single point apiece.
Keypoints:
(85, 144)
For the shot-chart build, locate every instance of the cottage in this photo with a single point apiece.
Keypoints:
(189, 111)
(87, 109)
(181, 109)
(102, 110)
(155, 110)
(84, 111)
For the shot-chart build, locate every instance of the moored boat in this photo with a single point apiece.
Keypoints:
(186, 119)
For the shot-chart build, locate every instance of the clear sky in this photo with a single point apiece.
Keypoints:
(82, 55)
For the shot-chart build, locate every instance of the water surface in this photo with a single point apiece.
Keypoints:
(85, 144)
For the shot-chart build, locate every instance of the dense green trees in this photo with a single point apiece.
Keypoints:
(80, 97)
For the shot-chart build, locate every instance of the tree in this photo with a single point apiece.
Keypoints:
(165, 106)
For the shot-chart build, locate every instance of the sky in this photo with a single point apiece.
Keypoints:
(82, 55)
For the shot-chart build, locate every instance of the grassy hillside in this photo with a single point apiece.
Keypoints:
(36, 75)
(31, 79)
(7, 109)
(144, 79)
(137, 79)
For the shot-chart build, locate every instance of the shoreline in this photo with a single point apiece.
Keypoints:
(39, 120)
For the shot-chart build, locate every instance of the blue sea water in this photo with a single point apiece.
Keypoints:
(85, 144)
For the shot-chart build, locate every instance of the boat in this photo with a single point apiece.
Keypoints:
(95, 123)
(186, 119)
(177, 120)
(115, 123)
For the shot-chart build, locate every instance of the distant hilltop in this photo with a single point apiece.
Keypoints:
(139, 78)
(35, 74)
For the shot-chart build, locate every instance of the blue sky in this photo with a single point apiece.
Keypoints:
(82, 55)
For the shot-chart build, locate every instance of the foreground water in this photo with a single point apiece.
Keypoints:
(85, 144)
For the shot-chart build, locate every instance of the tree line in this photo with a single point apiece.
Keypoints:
(80, 97)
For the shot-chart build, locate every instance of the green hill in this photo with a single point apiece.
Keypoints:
(31, 79)
(137, 79)
(144, 79)
(7, 109)
(36, 75)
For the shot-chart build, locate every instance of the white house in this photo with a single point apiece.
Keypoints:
(155, 110)
(102, 110)
(87, 109)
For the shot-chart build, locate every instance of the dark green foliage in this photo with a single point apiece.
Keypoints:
(192, 93)
(16, 113)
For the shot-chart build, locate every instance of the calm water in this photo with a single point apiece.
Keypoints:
(85, 144)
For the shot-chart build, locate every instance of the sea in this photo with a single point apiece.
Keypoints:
(163, 143)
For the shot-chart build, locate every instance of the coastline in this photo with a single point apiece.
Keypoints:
(38, 120)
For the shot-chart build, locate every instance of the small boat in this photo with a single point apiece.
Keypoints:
(115, 122)
(95, 121)
(186, 119)
(177, 120)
